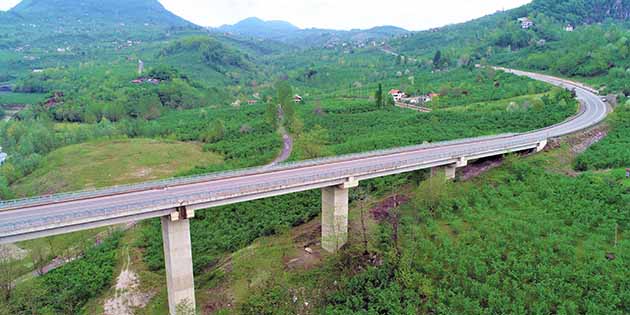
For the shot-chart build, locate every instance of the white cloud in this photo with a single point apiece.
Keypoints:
(338, 14)
(8, 4)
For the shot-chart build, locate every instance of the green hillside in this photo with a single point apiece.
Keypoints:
(595, 50)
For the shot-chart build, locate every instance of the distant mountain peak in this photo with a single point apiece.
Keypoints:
(288, 33)
(113, 11)
(253, 26)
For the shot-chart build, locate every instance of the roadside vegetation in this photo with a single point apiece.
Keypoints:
(350, 126)
(614, 150)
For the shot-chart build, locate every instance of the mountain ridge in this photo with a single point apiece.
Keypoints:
(286, 32)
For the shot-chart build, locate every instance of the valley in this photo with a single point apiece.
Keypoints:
(116, 93)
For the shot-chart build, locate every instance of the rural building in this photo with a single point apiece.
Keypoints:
(569, 28)
(397, 95)
(526, 23)
(3, 157)
(252, 102)
(297, 99)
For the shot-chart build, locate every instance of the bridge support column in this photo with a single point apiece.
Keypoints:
(335, 216)
(541, 146)
(449, 171)
(178, 258)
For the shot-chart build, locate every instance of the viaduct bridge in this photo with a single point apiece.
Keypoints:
(175, 201)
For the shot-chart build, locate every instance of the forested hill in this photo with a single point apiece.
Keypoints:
(97, 12)
(65, 23)
(583, 38)
(583, 11)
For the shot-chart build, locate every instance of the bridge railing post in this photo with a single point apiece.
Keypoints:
(178, 259)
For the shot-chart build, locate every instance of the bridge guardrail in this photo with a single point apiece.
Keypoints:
(90, 193)
(208, 196)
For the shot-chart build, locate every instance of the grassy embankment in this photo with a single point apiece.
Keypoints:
(100, 164)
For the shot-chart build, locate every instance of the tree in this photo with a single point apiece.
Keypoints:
(313, 143)
(214, 133)
(284, 97)
(271, 114)
(378, 96)
(39, 258)
(431, 193)
(437, 59)
(114, 111)
(6, 273)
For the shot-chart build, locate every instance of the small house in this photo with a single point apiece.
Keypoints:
(3, 157)
(298, 99)
(252, 102)
(569, 28)
(397, 95)
(526, 23)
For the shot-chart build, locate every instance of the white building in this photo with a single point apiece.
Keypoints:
(3, 157)
(526, 23)
(397, 95)
(569, 28)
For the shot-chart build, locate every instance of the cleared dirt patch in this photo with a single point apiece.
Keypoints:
(382, 211)
(476, 169)
(128, 295)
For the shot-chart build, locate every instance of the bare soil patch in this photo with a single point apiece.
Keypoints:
(476, 169)
(382, 211)
(128, 295)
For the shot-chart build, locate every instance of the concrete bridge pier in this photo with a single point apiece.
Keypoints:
(335, 215)
(450, 171)
(178, 259)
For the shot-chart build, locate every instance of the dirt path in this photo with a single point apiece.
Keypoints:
(287, 140)
(128, 296)
(414, 107)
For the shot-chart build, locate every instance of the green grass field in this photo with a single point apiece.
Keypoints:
(106, 163)
(21, 98)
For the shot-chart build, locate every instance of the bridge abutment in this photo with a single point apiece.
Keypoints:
(335, 215)
(178, 259)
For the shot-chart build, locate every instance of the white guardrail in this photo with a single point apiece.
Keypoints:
(215, 195)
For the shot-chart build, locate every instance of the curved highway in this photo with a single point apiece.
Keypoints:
(50, 215)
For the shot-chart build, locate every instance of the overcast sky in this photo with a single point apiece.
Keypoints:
(336, 14)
